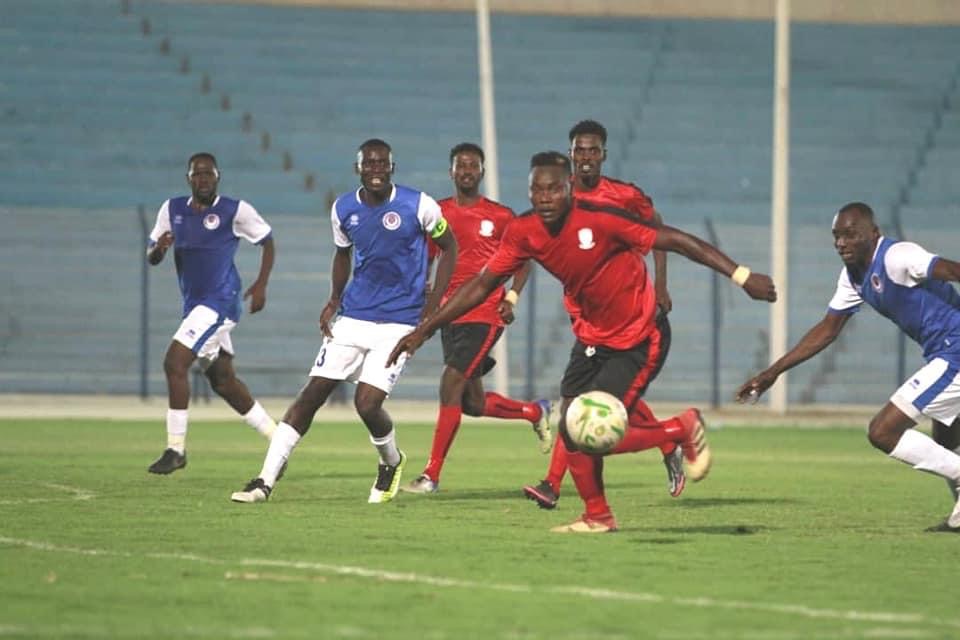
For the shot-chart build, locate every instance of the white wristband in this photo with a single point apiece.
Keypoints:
(511, 297)
(740, 275)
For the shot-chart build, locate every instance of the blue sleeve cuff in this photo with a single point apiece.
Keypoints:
(844, 312)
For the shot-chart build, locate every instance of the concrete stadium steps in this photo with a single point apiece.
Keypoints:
(687, 104)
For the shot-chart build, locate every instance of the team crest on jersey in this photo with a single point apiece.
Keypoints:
(391, 221)
(876, 283)
(177, 219)
(585, 236)
(354, 220)
(211, 221)
(486, 228)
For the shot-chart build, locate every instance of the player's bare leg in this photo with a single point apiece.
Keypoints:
(368, 401)
(296, 422)
(225, 383)
(176, 366)
(892, 432)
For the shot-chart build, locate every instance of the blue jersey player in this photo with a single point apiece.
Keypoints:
(912, 288)
(380, 230)
(204, 230)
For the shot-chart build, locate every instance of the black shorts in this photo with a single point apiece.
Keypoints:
(466, 347)
(624, 373)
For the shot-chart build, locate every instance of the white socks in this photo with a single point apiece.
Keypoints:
(259, 419)
(177, 430)
(922, 453)
(387, 448)
(284, 439)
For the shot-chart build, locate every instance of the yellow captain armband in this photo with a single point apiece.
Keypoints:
(740, 275)
(511, 297)
(439, 228)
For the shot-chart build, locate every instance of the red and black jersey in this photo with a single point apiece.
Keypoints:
(478, 229)
(597, 256)
(615, 193)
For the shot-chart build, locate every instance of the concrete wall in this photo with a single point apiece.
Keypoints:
(852, 11)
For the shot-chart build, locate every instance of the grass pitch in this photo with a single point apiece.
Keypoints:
(796, 534)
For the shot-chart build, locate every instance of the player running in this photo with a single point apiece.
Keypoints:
(911, 287)
(204, 230)
(588, 151)
(594, 252)
(478, 224)
(383, 227)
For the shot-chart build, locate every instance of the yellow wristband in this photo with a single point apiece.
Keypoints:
(740, 275)
(511, 297)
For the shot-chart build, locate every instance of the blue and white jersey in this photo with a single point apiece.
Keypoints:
(388, 282)
(204, 245)
(898, 285)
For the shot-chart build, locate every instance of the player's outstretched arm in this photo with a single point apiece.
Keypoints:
(758, 286)
(339, 274)
(664, 301)
(944, 269)
(445, 266)
(157, 251)
(818, 338)
(257, 292)
(472, 293)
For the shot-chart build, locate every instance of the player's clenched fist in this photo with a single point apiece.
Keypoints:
(759, 286)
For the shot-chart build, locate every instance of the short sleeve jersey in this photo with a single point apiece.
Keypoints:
(204, 246)
(614, 193)
(623, 195)
(389, 244)
(478, 229)
(595, 255)
(898, 285)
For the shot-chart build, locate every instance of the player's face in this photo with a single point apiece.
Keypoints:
(587, 153)
(467, 171)
(203, 179)
(375, 168)
(854, 238)
(550, 193)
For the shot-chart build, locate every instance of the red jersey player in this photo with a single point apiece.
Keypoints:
(478, 224)
(588, 142)
(594, 252)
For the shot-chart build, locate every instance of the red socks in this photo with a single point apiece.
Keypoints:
(448, 422)
(498, 406)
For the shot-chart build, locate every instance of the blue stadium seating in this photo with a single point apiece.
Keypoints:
(98, 118)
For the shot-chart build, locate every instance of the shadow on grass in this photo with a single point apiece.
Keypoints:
(718, 529)
(702, 503)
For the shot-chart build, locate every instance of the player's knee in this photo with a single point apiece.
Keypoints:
(175, 367)
(471, 407)
(366, 408)
(220, 383)
(880, 436)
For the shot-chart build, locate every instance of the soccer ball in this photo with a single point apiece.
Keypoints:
(596, 421)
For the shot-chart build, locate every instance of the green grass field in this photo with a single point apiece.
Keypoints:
(796, 534)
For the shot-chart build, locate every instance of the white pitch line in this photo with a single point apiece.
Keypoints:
(597, 594)
(78, 494)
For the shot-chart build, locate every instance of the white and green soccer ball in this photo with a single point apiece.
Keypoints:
(596, 421)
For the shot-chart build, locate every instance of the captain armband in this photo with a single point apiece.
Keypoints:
(439, 228)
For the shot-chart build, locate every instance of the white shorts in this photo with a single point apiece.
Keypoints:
(933, 391)
(358, 352)
(205, 332)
